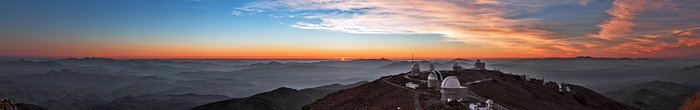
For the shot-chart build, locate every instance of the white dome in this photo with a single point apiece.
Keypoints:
(432, 76)
(451, 82)
(415, 66)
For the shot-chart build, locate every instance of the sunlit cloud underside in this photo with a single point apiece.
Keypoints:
(540, 27)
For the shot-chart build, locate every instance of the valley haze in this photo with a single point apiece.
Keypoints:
(97, 82)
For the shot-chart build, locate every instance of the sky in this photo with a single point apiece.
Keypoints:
(349, 28)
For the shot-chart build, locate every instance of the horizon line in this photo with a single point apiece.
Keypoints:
(297, 58)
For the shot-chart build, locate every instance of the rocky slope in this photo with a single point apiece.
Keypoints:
(692, 103)
(278, 99)
(6, 104)
(24, 106)
(509, 91)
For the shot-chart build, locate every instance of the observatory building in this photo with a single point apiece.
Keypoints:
(478, 65)
(415, 69)
(456, 67)
(434, 79)
(452, 90)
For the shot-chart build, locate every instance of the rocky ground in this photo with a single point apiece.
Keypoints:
(692, 103)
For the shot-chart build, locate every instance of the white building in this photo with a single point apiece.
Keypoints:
(489, 104)
(452, 90)
(411, 85)
(434, 79)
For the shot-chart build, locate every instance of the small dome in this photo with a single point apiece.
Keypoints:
(415, 66)
(451, 82)
(432, 76)
(456, 64)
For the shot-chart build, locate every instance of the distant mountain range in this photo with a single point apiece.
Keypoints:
(87, 83)
(688, 75)
(654, 95)
(669, 92)
(278, 99)
(159, 102)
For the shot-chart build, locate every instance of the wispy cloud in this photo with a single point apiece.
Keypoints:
(501, 24)
(623, 13)
(483, 22)
(659, 42)
(667, 24)
(236, 13)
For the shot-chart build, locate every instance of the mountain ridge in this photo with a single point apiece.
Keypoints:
(282, 98)
(511, 91)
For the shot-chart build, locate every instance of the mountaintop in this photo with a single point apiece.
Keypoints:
(505, 90)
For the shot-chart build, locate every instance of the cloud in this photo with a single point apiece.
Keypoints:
(275, 16)
(499, 24)
(236, 13)
(659, 24)
(659, 42)
(483, 22)
(584, 2)
(623, 13)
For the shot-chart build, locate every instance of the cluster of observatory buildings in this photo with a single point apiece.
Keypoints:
(451, 89)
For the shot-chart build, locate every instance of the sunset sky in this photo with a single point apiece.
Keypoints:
(349, 28)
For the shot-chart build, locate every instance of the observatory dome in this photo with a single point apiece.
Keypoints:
(432, 76)
(415, 66)
(451, 82)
